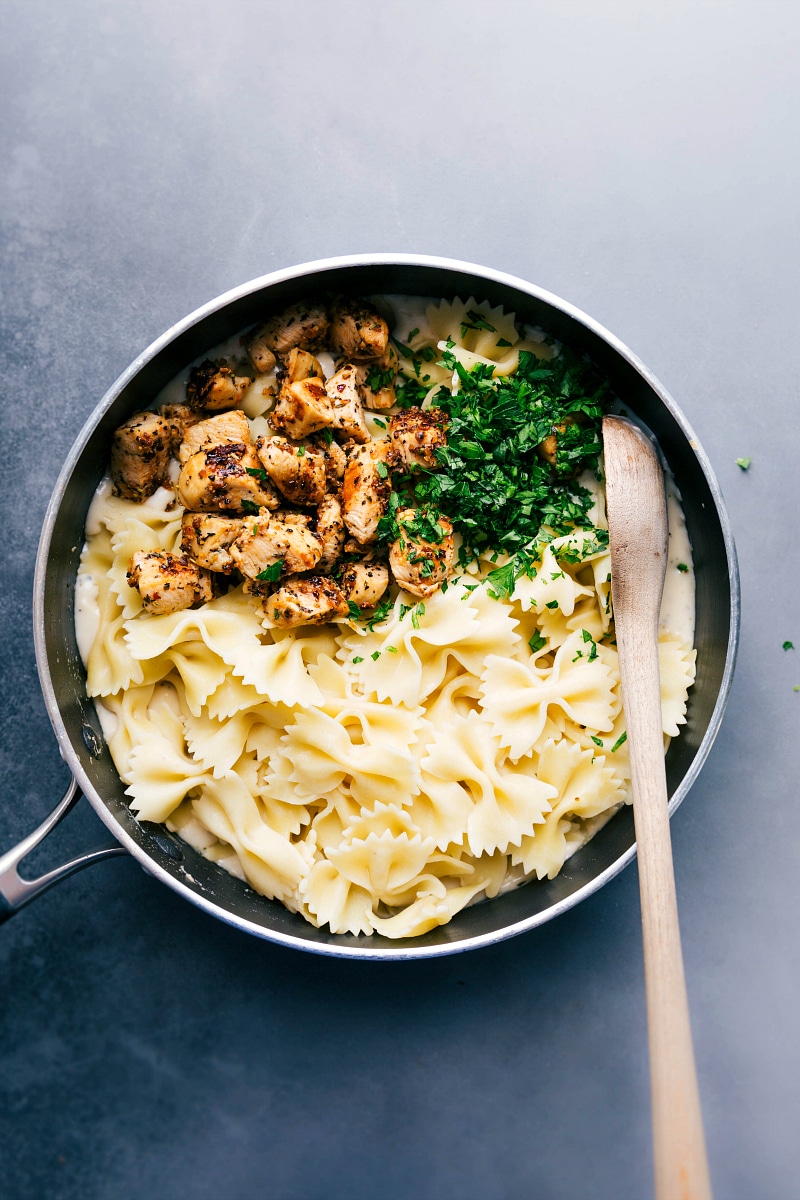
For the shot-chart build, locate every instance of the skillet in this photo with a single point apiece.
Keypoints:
(62, 675)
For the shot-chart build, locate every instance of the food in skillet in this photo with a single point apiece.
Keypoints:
(352, 633)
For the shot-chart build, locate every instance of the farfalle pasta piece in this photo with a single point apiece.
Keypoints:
(110, 666)
(319, 752)
(584, 789)
(505, 806)
(407, 656)
(676, 664)
(517, 697)
(160, 772)
(271, 863)
(552, 587)
(381, 863)
(428, 911)
(331, 899)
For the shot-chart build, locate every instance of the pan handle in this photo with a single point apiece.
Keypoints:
(16, 891)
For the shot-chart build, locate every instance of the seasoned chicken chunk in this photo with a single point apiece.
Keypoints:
(304, 325)
(140, 454)
(214, 385)
(348, 411)
(335, 458)
(225, 478)
(376, 380)
(259, 352)
(548, 449)
(417, 434)
(299, 364)
(281, 545)
(303, 407)
(180, 418)
(366, 489)
(330, 531)
(358, 331)
(363, 583)
(207, 539)
(312, 600)
(225, 427)
(296, 469)
(423, 554)
(167, 582)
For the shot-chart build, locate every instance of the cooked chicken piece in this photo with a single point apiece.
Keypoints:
(335, 458)
(376, 380)
(258, 352)
(416, 435)
(207, 539)
(278, 545)
(330, 531)
(227, 478)
(363, 583)
(299, 364)
(180, 418)
(226, 427)
(312, 600)
(348, 411)
(366, 489)
(548, 449)
(168, 583)
(302, 408)
(296, 469)
(140, 454)
(420, 562)
(213, 385)
(358, 331)
(304, 325)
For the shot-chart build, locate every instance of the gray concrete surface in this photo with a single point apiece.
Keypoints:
(640, 160)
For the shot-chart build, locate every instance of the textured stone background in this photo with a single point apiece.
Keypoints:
(640, 160)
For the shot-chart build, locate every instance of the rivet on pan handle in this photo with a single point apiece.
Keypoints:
(16, 891)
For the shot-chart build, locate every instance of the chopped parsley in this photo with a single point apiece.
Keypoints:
(621, 740)
(258, 473)
(597, 741)
(375, 655)
(382, 470)
(683, 567)
(537, 642)
(357, 658)
(377, 379)
(477, 322)
(491, 481)
(788, 645)
(272, 572)
(250, 507)
(353, 611)
(744, 463)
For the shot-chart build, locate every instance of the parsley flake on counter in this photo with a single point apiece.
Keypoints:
(744, 463)
(788, 645)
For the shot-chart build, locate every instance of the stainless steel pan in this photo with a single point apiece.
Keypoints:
(62, 676)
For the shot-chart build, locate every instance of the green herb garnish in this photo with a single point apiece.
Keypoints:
(537, 642)
(683, 567)
(744, 463)
(272, 572)
(788, 645)
(621, 740)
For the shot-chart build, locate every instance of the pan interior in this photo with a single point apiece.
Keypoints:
(63, 676)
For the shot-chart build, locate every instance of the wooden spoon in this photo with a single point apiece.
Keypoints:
(637, 526)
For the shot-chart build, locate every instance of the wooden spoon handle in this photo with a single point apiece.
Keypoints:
(638, 536)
